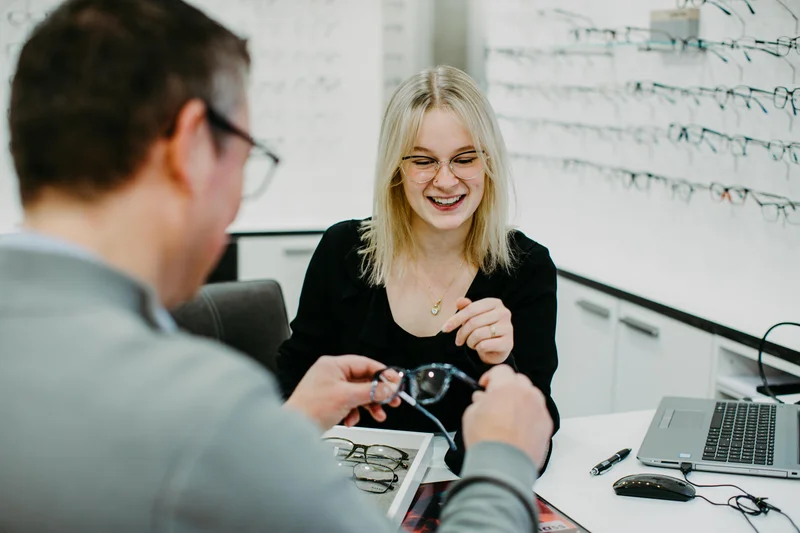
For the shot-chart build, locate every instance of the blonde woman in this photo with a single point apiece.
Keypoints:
(436, 275)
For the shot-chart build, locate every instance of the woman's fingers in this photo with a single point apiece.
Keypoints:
(488, 318)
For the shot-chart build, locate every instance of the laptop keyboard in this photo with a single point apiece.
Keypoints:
(741, 432)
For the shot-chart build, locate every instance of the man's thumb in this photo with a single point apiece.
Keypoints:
(359, 394)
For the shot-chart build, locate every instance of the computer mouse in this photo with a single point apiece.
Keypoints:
(654, 486)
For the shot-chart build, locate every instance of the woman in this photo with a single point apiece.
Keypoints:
(435, 276)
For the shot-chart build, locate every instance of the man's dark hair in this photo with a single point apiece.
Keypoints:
(99, 81)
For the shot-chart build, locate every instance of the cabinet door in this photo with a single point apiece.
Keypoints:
(658, 356)
(282, 258)
(585, 337)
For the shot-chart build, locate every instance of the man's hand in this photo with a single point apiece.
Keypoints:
(335, 386)
(511, 410)
(485, 327)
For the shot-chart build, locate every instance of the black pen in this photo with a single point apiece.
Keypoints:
(611, 461)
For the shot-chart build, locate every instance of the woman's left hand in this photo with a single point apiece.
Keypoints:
(485, 327)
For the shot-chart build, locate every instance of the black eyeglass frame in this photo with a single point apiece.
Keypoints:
(387, 484)
(403, 462)
(217, 120)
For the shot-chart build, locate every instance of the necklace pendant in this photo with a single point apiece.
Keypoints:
(436, 308)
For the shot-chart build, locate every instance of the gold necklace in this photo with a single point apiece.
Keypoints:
(437, 305)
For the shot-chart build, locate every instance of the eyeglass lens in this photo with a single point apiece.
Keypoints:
(258, 172)
(422, 169)
(373, 478)
(426, 384)
(375, 454)
(430, 384)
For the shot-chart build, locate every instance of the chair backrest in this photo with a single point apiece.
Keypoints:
(249, 316)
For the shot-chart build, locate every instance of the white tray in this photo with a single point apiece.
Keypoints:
(422, 442)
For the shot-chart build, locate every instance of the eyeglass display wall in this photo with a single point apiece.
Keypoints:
(666, 166)
(316, 98)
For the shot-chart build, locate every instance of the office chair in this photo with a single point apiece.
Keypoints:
(249, 316)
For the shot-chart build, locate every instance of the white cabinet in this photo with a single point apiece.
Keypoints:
(658, 356)
(583, 383)
(738, 376)
(617, 356)
(282, 258)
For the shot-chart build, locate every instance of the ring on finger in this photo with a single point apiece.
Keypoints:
(493, 330)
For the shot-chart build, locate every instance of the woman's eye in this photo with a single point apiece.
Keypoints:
(465, 160)
(422, 162)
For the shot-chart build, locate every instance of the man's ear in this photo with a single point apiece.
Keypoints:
(190, 150)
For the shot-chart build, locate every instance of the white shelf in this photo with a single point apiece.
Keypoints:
(752, 354)
(745, 387)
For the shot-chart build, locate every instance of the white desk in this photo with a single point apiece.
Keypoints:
(583, 442)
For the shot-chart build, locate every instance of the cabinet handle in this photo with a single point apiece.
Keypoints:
(593, 308)
(294, 252)
(641, 327)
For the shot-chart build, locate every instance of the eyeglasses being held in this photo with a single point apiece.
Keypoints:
(423, 385)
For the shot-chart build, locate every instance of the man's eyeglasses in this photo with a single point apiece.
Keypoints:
(261, 164)
(422, 169)
(421, 386)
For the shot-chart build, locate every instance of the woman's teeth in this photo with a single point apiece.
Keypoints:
(446, 201)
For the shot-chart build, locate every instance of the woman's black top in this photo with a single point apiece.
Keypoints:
(340, 313)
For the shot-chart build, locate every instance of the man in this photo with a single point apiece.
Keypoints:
(128, 123)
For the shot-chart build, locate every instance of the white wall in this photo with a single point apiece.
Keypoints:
(316, 98)
(717, 261)
(17, 17)
(407, 40)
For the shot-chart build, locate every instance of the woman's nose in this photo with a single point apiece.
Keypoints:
(445, 178)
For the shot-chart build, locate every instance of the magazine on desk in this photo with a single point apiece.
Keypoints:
(423, 515)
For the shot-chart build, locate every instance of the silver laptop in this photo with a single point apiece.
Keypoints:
(759, 439)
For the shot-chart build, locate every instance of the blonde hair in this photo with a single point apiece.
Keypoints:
(388, 234)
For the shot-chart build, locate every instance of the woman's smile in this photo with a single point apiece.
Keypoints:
(447, 203)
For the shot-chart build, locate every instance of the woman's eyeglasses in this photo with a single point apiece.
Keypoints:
(422, 169)
(424, 385)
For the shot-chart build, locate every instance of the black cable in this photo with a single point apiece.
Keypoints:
(739, 502)
(728, 504)
(686, 468)
(761, 364)
(789, 518)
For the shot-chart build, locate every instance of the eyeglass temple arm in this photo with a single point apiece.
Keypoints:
(413, 403)
(464, 377)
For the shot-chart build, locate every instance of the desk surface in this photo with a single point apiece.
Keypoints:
(583, 442)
